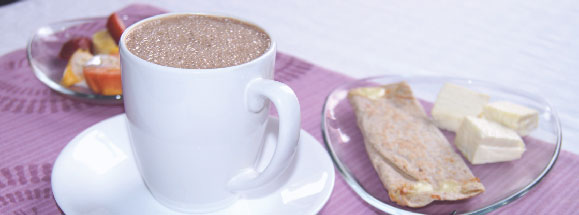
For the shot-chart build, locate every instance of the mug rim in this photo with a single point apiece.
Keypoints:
(123, 49)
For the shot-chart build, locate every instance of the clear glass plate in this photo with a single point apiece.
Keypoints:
(45, 44)
(504, 182)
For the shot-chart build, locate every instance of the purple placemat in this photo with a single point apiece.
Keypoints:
(36, 123)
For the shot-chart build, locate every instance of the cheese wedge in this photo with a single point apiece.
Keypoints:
(483, 141)
(454, 103)
(517, 117)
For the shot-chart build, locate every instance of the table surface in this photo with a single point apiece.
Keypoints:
(530, 45)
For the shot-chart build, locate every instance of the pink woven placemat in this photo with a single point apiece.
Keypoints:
(36, 123)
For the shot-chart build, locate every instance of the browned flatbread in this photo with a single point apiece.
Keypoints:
(414, 160)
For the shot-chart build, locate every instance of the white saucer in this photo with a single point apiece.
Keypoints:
(96, 174)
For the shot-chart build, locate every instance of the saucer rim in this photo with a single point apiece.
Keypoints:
(324, 196)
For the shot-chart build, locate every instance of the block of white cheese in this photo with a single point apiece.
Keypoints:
(454, 103)
(517, 117)
(483, 141)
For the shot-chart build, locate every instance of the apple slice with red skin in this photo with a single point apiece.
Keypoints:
(74, 44)
(115, 26)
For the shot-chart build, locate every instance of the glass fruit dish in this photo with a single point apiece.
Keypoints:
(504, 181)
(44, 46)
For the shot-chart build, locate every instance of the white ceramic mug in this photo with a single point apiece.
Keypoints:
(197, 133)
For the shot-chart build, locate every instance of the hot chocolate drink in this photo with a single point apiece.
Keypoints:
(177, 113)
(197, 41)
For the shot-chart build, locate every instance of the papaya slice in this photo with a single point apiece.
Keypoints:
(103, 75)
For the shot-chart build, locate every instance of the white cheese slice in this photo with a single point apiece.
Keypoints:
(454, 103)
(483, 141)
(517, 117)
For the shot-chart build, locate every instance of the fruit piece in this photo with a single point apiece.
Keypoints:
(103, 74)
(115, 26)
(73, 72)
(104, 81)
(103, 43)
(74, 44)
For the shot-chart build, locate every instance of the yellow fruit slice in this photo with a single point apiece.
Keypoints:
(73, 72)
(103, 43)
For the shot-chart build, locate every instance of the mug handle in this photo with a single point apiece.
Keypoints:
(288, 108)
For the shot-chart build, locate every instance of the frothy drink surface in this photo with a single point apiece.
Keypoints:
(197, 41)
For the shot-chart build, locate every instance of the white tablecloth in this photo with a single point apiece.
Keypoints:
(531, 45)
